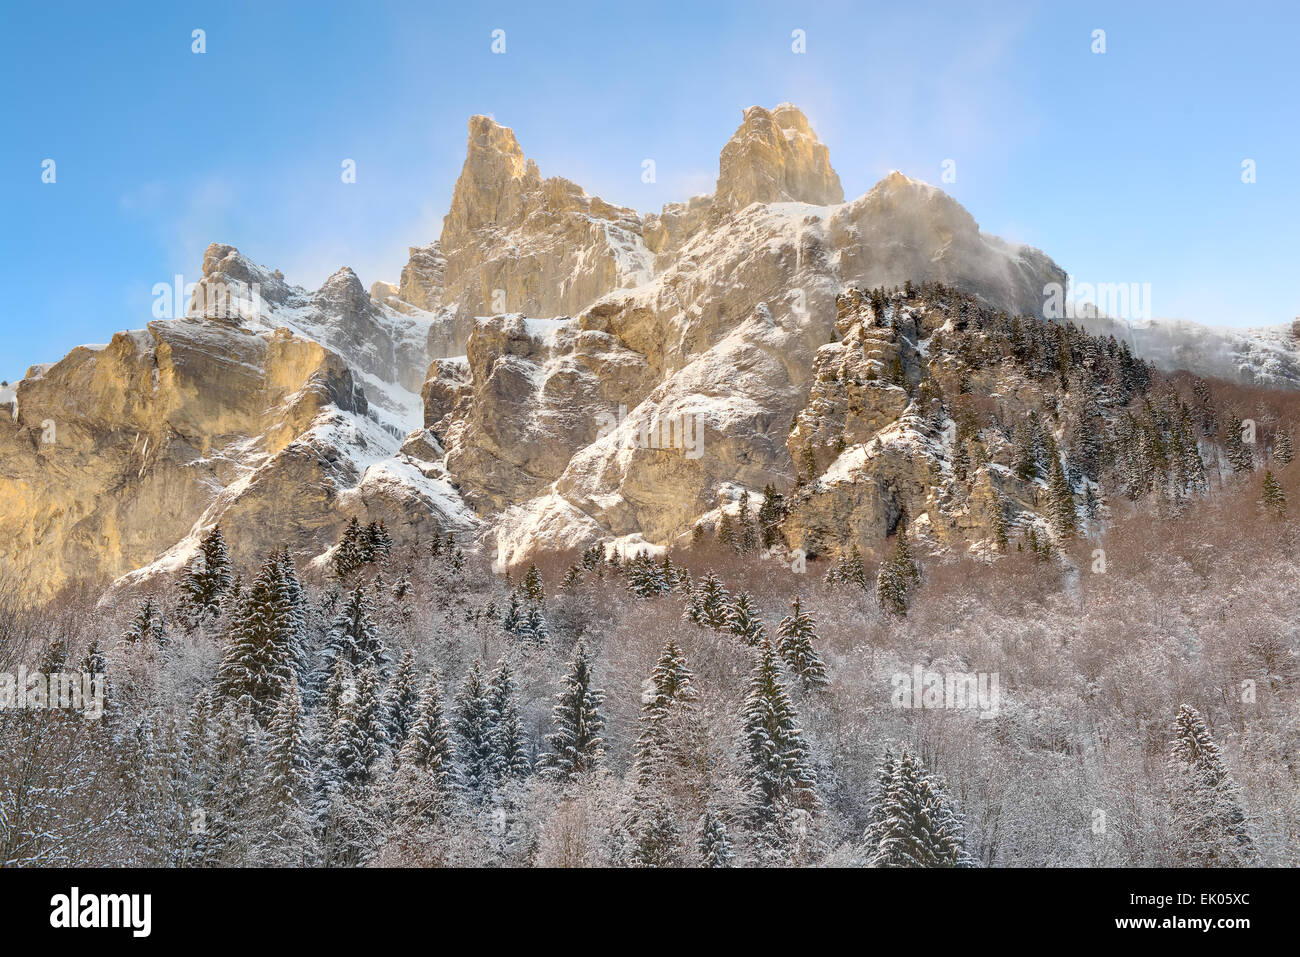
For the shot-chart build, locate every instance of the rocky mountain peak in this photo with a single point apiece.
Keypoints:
(775, 157)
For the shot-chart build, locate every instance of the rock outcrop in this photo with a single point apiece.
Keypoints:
(555, 371)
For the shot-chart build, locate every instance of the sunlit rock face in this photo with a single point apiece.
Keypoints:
(550, 372)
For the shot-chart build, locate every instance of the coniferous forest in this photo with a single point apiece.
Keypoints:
(714, 706)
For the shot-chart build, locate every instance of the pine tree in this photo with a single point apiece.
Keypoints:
(477, 765)
(261, 654)
(794, 642)
(709, 605)
(533, 627)
(726, 535)
(428, 746)
(1274, 499)
(898, 578)
(1208, 817)
(348, 554)
(1283, 450)
(1061, 501)
(353, 636)
(147, 627)
(1240, 455)
(913, 821)
(401, 702)
(286, 780)
(714, 844)
(532, 586)
(743, 620)
(778, 776)
(207, 580)
(747, 538)
(770, 515)
(511, 755)
(1024, 459)
(575, 745)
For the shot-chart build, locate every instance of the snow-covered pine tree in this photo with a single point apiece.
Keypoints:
(1273, 498)
(207, 579)
(709, 605)
(354, 637)
(532, 587)
(1209, 821)
(1283, 449)
(503, 704)
(1060, 500)
(285, 784)
(666, 764)
(795, 636)
(747, 533)
(575, 745)
(714, 844)
(913, 821)
(1241, 456)
(897, 578)
(147, 627)
(743, 620)
(778, 776)
(424, 766)
(348, 554)
(770, 515)
(477, 767)
(726, 535)
(533, 626)
(428, 746)
(401, 702)
(261, 654)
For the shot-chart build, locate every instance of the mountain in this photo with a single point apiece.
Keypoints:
(556, 371)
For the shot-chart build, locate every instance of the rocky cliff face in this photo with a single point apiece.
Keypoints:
(552, 371)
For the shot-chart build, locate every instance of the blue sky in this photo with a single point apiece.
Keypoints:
(1123, 166)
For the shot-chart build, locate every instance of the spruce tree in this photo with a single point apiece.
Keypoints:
(424, 765)
(354, 637)
(207, 580)
(477, 762)
(147, 627)
(401, 702)
(285, 783)
(1283, 449)
(913, 821)
(575, 745)
(714, 844)
(1060, 501)
(743, 620)
(897, 578)
(709, 605)
(778, 775)
(1274, 499)
(794, 642)
(1208, 818)
(261, 654)
(532, 586)
(503, 703)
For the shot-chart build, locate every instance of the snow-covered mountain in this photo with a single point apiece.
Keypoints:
(553, 371)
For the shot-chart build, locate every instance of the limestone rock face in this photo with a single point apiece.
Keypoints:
(775, 157)
(387, 348)
(121, 454)
(515, 242)
(552, 372)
